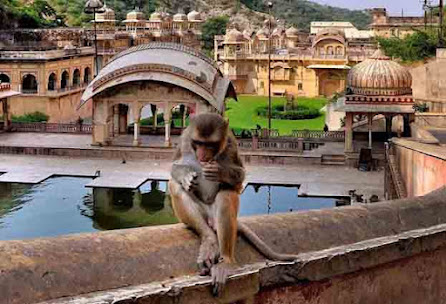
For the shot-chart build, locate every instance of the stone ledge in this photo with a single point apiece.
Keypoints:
(312, 266)
(44, 269)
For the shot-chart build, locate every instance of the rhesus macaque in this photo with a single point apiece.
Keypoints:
(207, 178)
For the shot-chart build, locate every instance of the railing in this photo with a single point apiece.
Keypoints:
(79, 86)
(51, 127)
(326, 135)
(286, 144)
(394, 184)
(29, 91)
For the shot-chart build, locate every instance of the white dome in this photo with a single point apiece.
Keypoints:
(194, 16)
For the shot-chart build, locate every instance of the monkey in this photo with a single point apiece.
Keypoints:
(206, 181)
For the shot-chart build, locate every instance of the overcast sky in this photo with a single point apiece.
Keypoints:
(410, 7)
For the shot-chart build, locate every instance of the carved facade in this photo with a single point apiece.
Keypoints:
(301, 64)
(50, 81)
(182, 80)
(137, 30)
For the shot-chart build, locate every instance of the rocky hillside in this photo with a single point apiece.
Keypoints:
(244, 13)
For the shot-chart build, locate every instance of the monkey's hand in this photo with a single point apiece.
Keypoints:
(213, 172)
(189, 181)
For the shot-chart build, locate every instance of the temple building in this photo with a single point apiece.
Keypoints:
(137, 30)
(301, 64)
(377, 86)
(387, 26)
(164, 78)
(50, 80)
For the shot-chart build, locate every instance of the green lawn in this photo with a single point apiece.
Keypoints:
(243, 114)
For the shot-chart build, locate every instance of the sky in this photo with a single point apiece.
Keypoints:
(410, 7)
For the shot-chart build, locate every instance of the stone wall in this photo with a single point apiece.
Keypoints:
(422, 166)
(390, 252)
(429, 83)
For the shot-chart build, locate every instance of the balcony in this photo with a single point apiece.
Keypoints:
(67, 90)
(29, 91)
(330, 56)
(238, 76)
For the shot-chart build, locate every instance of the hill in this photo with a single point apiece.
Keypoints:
(41, 13)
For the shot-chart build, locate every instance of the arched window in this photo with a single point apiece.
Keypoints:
(64, 81)
(87, 75)
(29, 84)
(4, 78)
(76, 77)
(52, 82)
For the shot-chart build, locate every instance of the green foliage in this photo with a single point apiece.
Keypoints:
(303, 12)
(213, 26)
(278, 112)
(31, 117)
(243, 114)
(149, 120)
(415, 47)
(36, 14)
(421, 108)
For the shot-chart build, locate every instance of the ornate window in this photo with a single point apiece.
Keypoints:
(52, 82)
(29, 84)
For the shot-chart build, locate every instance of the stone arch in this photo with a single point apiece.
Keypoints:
(64, 80)
(180, 114)
(331, 82)
(140, 76)
(52, 82)
(76, 77)
(4, 78)
(29, 84)
(87, 75)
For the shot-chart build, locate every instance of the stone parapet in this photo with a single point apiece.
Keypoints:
(158, 263)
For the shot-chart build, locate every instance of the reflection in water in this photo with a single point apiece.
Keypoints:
(125, 208)
(63, 205)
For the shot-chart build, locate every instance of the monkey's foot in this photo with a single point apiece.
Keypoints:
(220, 273)
(208, 255)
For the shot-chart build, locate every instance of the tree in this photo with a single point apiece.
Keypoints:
(213, 26)
(417, 46)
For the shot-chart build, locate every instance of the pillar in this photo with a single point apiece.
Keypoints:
(167, 120)
(389, 126)
(406, 125)
(136, 118)
(5, 114)
(349, 132)
(370, 126)
(115, 120)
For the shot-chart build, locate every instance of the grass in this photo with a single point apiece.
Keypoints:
(243, 114)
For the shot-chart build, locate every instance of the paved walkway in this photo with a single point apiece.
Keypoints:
(314, 180)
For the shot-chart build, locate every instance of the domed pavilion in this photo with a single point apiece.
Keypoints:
(376, 86)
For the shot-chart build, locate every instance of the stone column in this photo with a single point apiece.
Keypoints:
(348, 132)
(370, 126)
(389, 126)
(5, 113)
(115, 120)
(136, 118)
(406, 125)
(167, 121)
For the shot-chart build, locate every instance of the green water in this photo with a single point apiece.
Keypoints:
(63, 205)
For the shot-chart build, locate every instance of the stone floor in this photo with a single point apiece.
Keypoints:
(314, 180)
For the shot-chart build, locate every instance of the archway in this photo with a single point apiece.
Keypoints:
(76, 77)
(64, 81)
(180, 116)
(52, 82)
(4, 78)
(330, 82)
(29, 84)
(87, 75)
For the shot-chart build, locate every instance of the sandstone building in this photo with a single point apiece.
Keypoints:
(50, 80)
(301, 64)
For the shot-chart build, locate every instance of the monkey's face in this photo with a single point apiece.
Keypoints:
(205, 151)
(209, 136)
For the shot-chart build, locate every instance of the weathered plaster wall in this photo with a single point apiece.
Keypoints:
(414, 280)
(429, 83)
(61, 110)
(362, 245)
(422, 166)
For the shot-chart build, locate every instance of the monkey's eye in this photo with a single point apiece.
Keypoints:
(206, 144)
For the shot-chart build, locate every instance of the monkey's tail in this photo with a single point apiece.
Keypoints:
(262, 247)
